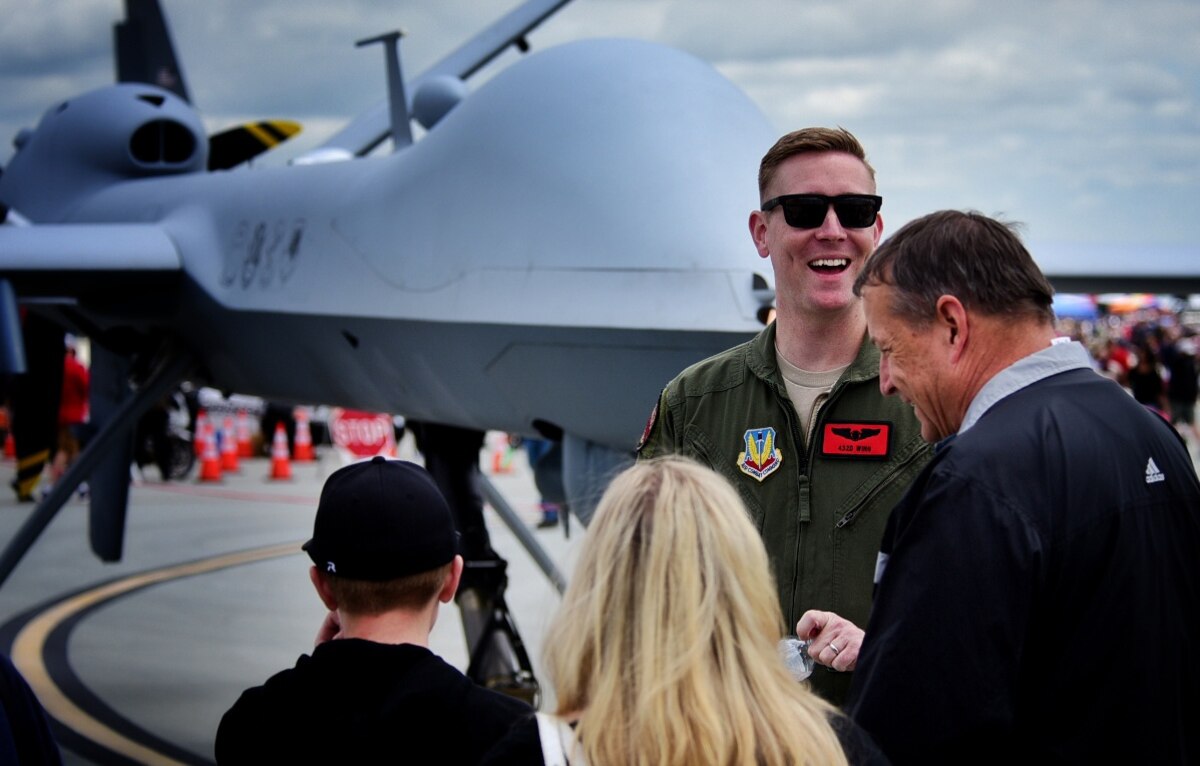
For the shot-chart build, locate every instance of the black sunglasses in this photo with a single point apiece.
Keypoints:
(807, 211)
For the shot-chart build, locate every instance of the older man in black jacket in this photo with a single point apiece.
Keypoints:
(1038, 591)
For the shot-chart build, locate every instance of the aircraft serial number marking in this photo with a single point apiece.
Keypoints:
(260, 250)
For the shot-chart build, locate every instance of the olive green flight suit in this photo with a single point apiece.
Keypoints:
(820, 507)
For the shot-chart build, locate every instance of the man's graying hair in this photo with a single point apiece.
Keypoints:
(977, 259)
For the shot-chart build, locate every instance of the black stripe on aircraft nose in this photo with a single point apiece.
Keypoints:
(270, 129)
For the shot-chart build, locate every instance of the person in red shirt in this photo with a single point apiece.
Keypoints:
(72, 410)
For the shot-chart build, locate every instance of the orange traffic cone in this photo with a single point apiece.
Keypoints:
(304, 446)
(210, 463)
(10, 447)
(501, 460)
(244, 448)
(281, 467)
(229, 448)
(199, 434)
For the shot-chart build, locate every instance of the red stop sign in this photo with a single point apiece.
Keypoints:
(362, 434)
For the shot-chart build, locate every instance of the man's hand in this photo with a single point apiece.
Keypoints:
(330, 629)
(833, 641)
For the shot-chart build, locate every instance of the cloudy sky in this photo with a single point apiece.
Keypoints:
(1080, 118)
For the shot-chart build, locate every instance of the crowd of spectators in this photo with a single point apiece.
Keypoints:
(1151, 352)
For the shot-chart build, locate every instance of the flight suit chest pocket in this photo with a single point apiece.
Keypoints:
(698, 446)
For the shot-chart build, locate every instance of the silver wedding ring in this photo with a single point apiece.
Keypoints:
(833, 646)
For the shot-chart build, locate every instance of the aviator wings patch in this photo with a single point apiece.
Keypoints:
(870, 439)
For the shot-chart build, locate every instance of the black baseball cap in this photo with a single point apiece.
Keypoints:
(379, 520)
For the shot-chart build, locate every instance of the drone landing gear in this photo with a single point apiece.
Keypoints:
(498, 657)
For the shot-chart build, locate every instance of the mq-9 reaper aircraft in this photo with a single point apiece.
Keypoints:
(552, 248)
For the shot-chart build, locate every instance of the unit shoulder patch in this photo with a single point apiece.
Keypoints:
(648, 429)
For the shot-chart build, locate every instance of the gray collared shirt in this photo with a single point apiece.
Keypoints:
(1061, 355)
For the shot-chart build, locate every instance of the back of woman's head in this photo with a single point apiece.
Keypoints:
(665, 641)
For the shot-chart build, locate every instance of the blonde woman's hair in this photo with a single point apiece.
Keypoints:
(665, 644)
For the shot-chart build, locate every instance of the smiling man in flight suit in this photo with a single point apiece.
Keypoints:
(794, 418)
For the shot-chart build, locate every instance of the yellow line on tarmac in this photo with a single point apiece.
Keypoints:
(28, 648)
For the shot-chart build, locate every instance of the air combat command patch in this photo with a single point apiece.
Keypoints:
(761, 457)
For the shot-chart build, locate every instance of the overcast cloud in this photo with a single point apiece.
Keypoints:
(1080, 118)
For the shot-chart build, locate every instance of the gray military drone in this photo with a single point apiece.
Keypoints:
(552, 248)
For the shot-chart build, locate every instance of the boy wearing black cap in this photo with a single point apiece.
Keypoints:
(385, 556)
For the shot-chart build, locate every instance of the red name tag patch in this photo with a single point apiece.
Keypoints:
(857, 439)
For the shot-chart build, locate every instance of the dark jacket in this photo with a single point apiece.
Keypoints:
(356, 701)
(25, 738)
(1040, 601)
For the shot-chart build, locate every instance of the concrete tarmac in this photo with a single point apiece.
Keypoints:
(212, 596)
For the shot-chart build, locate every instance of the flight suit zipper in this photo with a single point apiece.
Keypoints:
(799, 479)
(851, 514)
(805, 447)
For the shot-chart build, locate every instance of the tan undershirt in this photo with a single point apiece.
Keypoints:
(807, 390)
